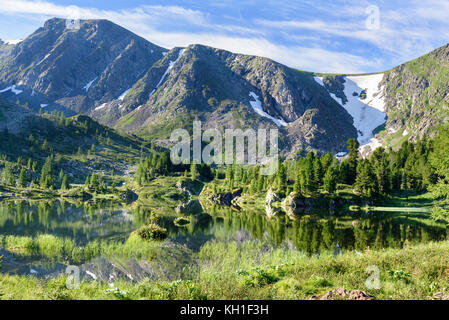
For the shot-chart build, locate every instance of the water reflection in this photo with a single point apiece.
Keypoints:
(308, 233)
(82, 222)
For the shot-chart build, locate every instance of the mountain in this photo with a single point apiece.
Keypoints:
(126, 82)
(76, 68)
(408, 102)
(417, 97)
(227, 90)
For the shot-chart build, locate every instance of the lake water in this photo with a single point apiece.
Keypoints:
(110, 222)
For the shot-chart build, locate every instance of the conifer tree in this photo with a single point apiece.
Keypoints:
(330, 179)
(65, 183)
(22, 182)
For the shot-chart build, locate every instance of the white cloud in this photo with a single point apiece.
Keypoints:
(399, 39)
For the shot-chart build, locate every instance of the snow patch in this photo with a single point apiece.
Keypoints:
(101, 107)
(341, 154)
(12, 89)
(374, 94)
(44, 105)
(405, 133)
(170, 66)
(123, 95)
(87, 86)
(368, 113)
(46, 56)
(368, 148)
(319, 80)
(392, 130)
(257, 107)
(13, 42)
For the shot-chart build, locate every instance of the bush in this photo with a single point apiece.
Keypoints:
(151, 232)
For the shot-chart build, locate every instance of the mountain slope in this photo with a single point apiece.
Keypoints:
(363, 97)
(227, 90)
(417, 97)
(413, 97)
(124, 81)
(77, 68)
(26, 134)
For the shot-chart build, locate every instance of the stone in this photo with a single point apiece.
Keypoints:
(343, 294)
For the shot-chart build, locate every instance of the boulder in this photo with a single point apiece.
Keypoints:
(343, 294)
(129, 196)
(293, 205)
(270, 210)
(227, 198)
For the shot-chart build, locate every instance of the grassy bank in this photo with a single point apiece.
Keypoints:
(253, 271)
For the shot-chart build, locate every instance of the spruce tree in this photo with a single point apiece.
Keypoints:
(22, 183)
(330, 179)
(65, 183)
(352, 160)
(366, 179)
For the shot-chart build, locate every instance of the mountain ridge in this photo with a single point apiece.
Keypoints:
(127, 82)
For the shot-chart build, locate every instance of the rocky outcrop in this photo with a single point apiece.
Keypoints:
(226, 199)
(189, 207)
(342, 294)
(122, 80)
(294, 204)
(416, 96)
(189, 187)
(270, 210)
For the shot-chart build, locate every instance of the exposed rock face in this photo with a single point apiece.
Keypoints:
(417, 96)
(342, 294)
(123, 80)
(295, 204)
(78, 69)
(219, 87)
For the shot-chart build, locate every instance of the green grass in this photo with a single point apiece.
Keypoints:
(253, 271)
(65, 249)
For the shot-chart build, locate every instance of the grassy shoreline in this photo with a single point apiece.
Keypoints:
(252, 271)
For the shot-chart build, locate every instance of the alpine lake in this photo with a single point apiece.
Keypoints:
(43, 238)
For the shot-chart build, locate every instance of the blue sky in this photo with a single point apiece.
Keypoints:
(323, 36)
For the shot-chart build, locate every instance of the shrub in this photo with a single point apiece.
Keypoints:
(151, 232)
